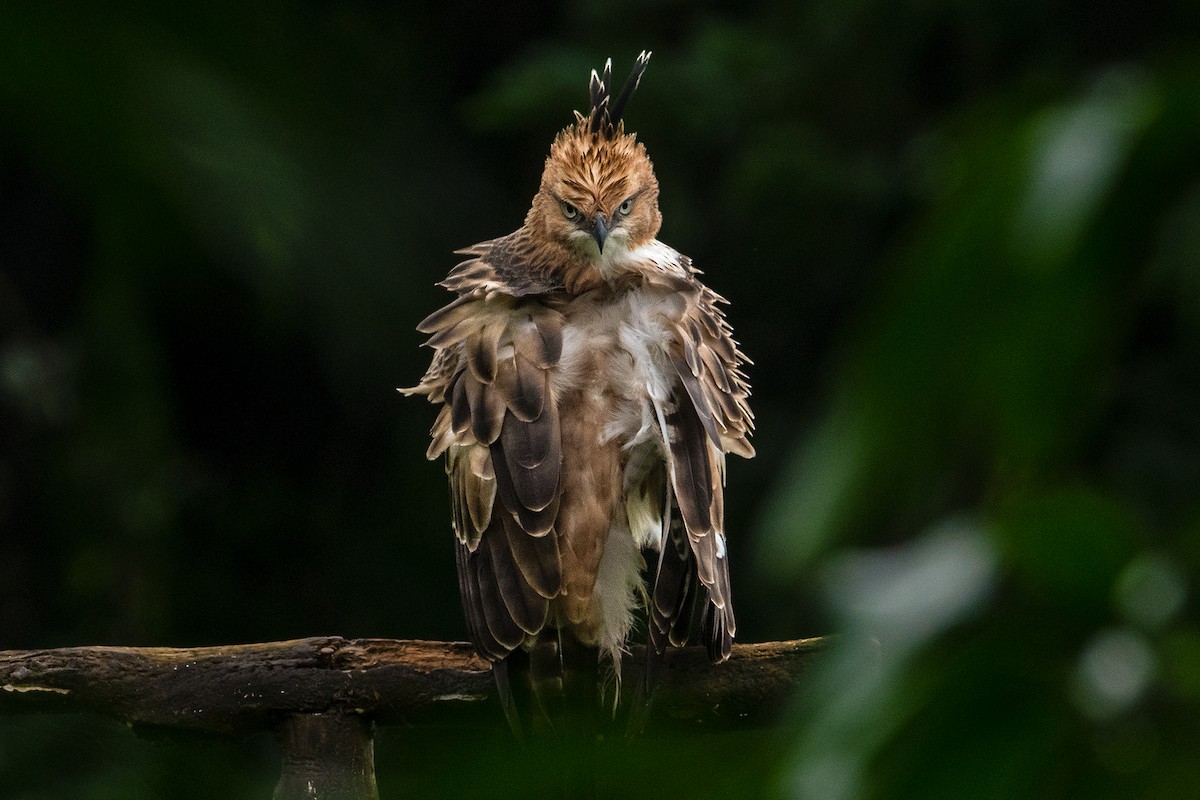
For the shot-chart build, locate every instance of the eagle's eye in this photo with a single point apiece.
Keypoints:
(626, 207)
(569, 211)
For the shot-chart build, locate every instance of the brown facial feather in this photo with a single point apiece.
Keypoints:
(596, 175)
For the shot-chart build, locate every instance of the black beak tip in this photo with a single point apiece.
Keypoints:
(600, 231)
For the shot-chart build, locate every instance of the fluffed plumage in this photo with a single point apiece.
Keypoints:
(590, 388)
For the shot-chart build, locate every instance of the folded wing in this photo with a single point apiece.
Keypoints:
(499, 430)
(706, 416)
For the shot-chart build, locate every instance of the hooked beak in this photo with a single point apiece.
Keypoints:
(600, 231)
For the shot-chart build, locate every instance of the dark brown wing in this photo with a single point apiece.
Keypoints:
(707, 416)
(499, 431)
(674, 597)
(696, 521)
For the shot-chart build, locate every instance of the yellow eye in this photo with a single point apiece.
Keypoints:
(626, 207)
(569, 211)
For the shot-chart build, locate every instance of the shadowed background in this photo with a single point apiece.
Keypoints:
(961, 244)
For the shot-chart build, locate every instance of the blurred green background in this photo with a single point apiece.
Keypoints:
(962, 243)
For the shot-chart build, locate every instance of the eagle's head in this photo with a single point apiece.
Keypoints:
(598, 195)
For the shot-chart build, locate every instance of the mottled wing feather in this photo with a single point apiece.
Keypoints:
(509, 265)
(720, 385)
(460, 406)
(714, 368)
(486, 409)
(707, 416)
(533, 522)
(497, 616)
(523, 385)
(448, 336)
(529, 341)
(437, 378)
(500, 433)
(550, 327)
(674, 589)
(536, 556)
(481, 350)
(719, 630)
(530, 454)
(524, 604)
(468, 589)
(472, 491)
(700, 404)
(448, 316)
(691, 478)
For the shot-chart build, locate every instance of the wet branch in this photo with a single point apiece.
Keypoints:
(322, 695)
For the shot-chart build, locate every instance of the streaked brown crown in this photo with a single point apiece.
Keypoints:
(594, 167)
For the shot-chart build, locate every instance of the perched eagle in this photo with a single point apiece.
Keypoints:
(590, 388)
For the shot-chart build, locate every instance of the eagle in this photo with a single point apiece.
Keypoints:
(589, 389)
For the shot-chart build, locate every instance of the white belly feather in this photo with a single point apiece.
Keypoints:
(616, 348)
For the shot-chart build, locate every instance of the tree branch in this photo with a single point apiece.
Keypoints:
(239, 689)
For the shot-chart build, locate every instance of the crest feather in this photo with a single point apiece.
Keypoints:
(604, 115)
